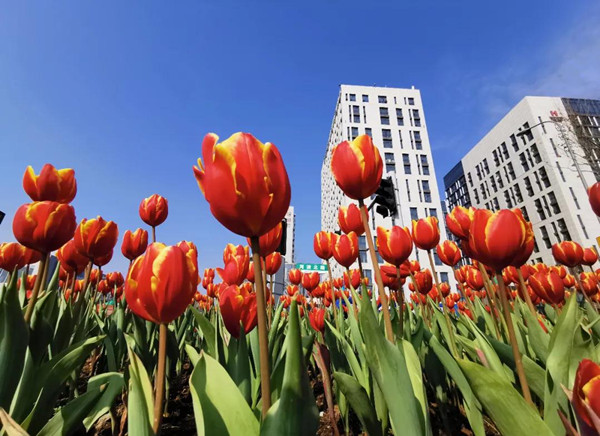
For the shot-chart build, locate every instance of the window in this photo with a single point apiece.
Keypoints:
(400, 138)
(553, 202)
(352, 97)
(433, 212)
(574, 198)
(524, 162)
(444, 277)
(554, 147)
(493, 183)
(566, 236)
(355, 114)
(499, 180)
(511, 171)
(382, 99)
(365, 98)
(545, 237)
(562, 176)
(424, 165)
(496, 204)
(411, 101)
(413, 213)
(585, 233)
(416, 117)
(362, 242)
(496, 159)
(544, 177)
(504, 150)
(517, 191)
(436, 258)
(470, 179)
(507, 199)
(384, 116)
(536, 154)
(389, 157)
(407, 187)
(399, 117)
(525, 214)
(363, 256)
(369, 132)
(528, 186)
(390, 167)
(426, 191)
(514, 143)
(354, 132)
(540, 209)
(406, 162)
(486, 167)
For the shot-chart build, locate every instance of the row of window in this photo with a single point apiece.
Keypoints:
(354, 114)
(416, 142)
(382, 99)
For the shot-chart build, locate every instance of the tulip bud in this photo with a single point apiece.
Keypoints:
(154, 210)
(44, 226)
(51, 184)
(349, 219)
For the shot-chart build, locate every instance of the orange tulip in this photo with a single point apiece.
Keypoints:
(71, 259)
(95, 238)
(235, 270)
(474, 278)
(590, 256)
(292, 289)
(238, 306)
(548, 286)
(394, 245)
(323, 243)
(51, 184)
(426, 233)
(12, 256)
(31, 256)
(310, 281)
(208, 278)
(345, 249)
(134, 244)
(594, 197)
(525, 253)
(586, 392)
(568, 253)
(161, 283)
(115, 279)
(444, 289)
(235, 250)
(424, 281)
(448, 252)
(589, 283)
(154, 210)
(269, 242)
(357, 167)
(316, 317)
(273, 263)
(295, 276)
(496, 239)
(349, 219)
(245, 183)
(353, 280)
(459, 221)
(44, 226)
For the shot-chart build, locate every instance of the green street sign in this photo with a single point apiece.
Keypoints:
(305, 267)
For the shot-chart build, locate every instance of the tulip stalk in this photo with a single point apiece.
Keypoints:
(513, 339)
(491, 296)
(525, 292)
(37, 286)
(159, 382)
(578, 281)
(384, 299)
(332, 294)
(400, 297)
(265, 373)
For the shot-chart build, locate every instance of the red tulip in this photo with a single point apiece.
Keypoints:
(235, 250)
(495, 239)
(354, 279)
(590, 256)
(44, 226)
(154, 210)
(316, 317)
(474, 278)
(548, 286)
(394, 245)
(310, 281)
(568, 253)
(114, 279)
(594, 197)
(459, 221)
(323, 243)
(31, 256)
(444, 289)
(426, 233)
(51, 184)
(134, 244)
(345, 249)
(424, 281)
(295, 276)
(525, 253)
(71, 259)
(292, 290)
(448, 252)
(245, 183)
(349, 219)
(273, 263)
(95, 238)
(589, 283)
(586, 392)
(101, 261)
(238, 306)
(569, 281)
(104, 288)
(12, 256)
(209, 276)
(357, 167)
(161, 283)
(235, 270)
(269, 242)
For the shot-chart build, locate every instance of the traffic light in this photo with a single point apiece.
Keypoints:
(283, 244)
(385, 198)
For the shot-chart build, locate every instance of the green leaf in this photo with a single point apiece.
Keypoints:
(388, 366)
(505, 406)
(219, 407)
(295, 413)
(359, 401)
(69, 417)
(140, 404)
(538, 338)
(112, 384)
(13, 342)
(357, 371)
(208, 330)
(416, 377)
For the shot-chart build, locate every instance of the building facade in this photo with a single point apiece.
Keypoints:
(395, 119)
(540, 158)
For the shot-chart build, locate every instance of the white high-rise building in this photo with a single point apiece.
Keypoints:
(395, 119)
(540, 157)
(290, 218)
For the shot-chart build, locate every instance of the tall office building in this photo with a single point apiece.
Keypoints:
(540, 158)
(290, 254)
(395, 119)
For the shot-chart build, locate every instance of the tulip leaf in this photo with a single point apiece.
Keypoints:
(69, 417)
(112, 384)
(192, 354)
(140, 404)
(9, 426)
(359, 401)
(388, 366)
(416, 377)
(538, 338)
(208, 331)
(357, 370)
(295, 412)
(219, 407)
(13, 342)
(505, 406)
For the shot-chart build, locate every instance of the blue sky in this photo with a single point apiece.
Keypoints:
(124, 92)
